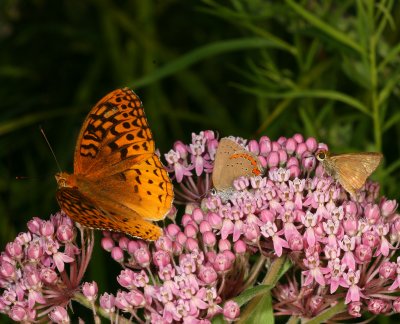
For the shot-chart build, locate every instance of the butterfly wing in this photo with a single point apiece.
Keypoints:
(91, 214)
(118, 181)
(144, 189)
(114, 136)
(231, 162)
(353, 169)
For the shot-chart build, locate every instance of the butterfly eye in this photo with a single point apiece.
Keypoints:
(321, 156)
(61, 182)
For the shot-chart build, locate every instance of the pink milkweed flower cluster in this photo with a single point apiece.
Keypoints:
(41, 270)
(340, 248)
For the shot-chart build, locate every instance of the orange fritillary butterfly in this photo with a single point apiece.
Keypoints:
(119, 183)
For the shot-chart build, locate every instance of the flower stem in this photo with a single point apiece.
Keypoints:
(81, 299)
(328, 314)
(270, 279)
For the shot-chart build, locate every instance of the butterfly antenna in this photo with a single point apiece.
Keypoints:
(51, 149)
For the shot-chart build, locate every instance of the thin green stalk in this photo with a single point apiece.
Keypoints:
(374, 94)
(81, 299)
(270, 280)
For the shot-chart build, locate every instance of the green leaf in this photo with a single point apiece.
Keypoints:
(200, 54)
(264, 312)
(324, 27)
(250, 293)
(20, 122)
(324, 94)
(328, 314)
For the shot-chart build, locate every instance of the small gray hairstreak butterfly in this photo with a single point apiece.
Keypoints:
(231, 162)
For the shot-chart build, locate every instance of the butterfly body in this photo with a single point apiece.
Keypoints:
(231, 162)
(350, 169)
(118, 183)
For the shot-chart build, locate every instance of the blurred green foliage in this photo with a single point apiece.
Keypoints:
(328, 69)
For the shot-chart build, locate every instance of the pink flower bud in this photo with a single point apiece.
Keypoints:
(214, 220)
(371, 239)
(227, 228)
(164, 243)
(205, 227)
(275, 146)
(387, 270)
(90, 290)
(350, 208)
(197, 215)
(354, 309)
(192, 244)
(372, 213)
(283, 157)
(294, 171)
(14, 250)
(107, 302)
(396, 305)
(265, 146)
(181, 149)
(312, 144)
(296, 242)
(190, 230)
(142, 257)
(308, 161)
(240, 247)
(222, 263)
(161, 258)
(298, 138)
(34, 225)
(117, 254)
(49, 276)
(181, 238)
(208, 275)
(7, 270)
(231, 310)
(65, 233)
(172, 230)
(126, 278)
(363, 253)
(281, 140)
(377, 306)
(59, 315)
(107, 243)
(209, 239)
(267, 216)
(32, 279)
(254, 147)
(293, 161)
(177, 248)
(300, 149)
(18, 313)
(123, 243)
(273, 159)
(186, 219)
(47, 228)
(224, 245)
(290, 145)
(388, 207)
(133, 245)
(135, 298)
(350, 225)
(263, 161)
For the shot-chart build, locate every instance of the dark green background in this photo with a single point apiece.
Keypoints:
(328, 69)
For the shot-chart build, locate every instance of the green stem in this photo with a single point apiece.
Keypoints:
(328, 314)
(270, 279)
(374, 94)
(81, 299)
